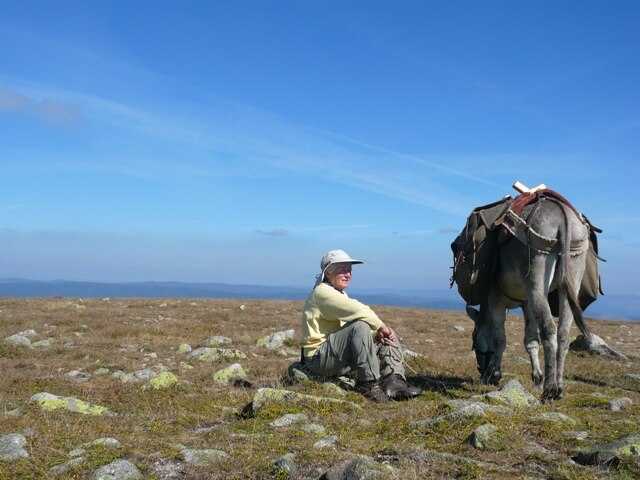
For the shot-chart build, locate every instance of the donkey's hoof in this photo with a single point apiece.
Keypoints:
(550, 393)
(537, 379)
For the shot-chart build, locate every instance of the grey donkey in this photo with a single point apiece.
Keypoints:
(524, 277)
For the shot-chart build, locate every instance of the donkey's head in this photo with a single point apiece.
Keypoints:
(484, 346)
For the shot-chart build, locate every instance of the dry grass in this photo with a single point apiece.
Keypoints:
(120, 334)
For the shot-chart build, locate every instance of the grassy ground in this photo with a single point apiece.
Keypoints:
(124, 334)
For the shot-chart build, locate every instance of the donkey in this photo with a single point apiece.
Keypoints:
(524, 277)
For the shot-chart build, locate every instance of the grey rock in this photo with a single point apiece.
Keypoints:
(359, 468)
(164, 469)
(106, 442)
(621, 403)
(596, 345)
(484, 437)
(296, 373)
(633, 376)
(285, 465)
(458, 328)
(331, 388)
(276, 340)
(184, 348)
(553, 417)
(217, 340)
(289, 419)
(28, 333)
(101, 372)
(64, 468)
(211, 354)
(202, 457)
(270, 396)
(12, 447)
(326, 442)
(16, 412)
(229, 374)
(77, 452)
(610, 454)
(118, 470)
(78, 376)
(18, 341)
(462, 410)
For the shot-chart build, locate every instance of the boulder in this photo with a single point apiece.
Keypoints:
(12, 447)
(289, 419)
(229, 374)
(49, 402)
(484, 437)
(118, 470)
(596, 345)
(268, 396)
(610, 454)
(276, 340)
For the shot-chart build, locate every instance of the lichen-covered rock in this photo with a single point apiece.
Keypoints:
(289, 419)
(512, 394)
(313, 428)
(49, 402)
(359, 468)
(217, 340)
(296, 373)
(276, 340)
(267, 396)
(211, 354)
(163, 380)
(553, 417)
(118, 470)
(43, 344)
(621, 403)
(184, 348)
(461, 410)
(331, 388)
(326, 442)
(12, 447)
(202, 457)
(610, 454)
(30, 333)
(164, 469)
(18, 341)
(484, 437)
(576, 435)
(78, 376)
(230, 373)
(101, 372)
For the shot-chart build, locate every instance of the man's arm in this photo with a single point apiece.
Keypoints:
(333, 304)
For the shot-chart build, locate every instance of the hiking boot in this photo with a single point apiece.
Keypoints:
(397, 388)
(372, 391)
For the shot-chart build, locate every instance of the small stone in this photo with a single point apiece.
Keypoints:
(243, 307)
(633, 376)
(208, 354)
(610, 454)
(359, 468)
(78, 376)
(12, 447)
(576, 435)
(458, 328)
(18, 341)
(333, 389)
(326, 442)
(276, 340)
(168, 469)
(77, 452)
(285, 465)
(296, 373)
(49, 402)
(28, 333)
(512, 394)
(217, 340)
(203, 457)
(101, 372)
(184, 348)
(289, 419)
(46, 343)
(118, 470)
(186, 366)
(105, 442)
(268, 396)
(64, 468)
(618, 404)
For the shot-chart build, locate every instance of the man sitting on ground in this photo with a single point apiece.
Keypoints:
(342, 335)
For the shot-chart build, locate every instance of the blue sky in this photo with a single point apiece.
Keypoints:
(236, 142)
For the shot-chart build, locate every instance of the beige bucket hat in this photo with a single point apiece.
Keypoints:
(334, 256)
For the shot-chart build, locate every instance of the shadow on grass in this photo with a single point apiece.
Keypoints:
(439, 383)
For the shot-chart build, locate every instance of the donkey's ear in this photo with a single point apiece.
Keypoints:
(473, 313)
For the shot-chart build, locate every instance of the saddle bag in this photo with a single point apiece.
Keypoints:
(475, 252)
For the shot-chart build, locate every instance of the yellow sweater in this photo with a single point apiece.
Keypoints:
(326, 310)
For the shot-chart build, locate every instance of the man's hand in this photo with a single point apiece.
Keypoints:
(386, 336)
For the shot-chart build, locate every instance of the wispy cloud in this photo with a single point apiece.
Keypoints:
(276, 232)
(50, 110)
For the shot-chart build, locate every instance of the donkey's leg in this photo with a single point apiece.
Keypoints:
(532, 344)
(497, 315)
(538, 305)
(565, 320)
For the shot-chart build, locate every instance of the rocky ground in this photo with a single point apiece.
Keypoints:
(198, 389)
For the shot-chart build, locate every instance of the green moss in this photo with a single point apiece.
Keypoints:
(163, 380)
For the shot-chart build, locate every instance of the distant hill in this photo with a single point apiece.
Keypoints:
(622, 307)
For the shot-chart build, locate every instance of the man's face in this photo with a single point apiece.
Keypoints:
(339, 275)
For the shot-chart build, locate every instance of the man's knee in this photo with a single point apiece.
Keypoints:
(360, 329)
